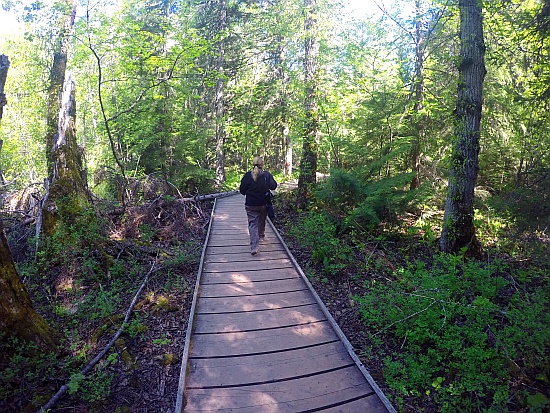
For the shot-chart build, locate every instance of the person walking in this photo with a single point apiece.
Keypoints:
(254, 186)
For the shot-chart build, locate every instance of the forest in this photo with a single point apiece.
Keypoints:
(410, 145)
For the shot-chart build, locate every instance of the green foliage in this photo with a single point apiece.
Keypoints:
(136, 326)
(318, 232)
(362, 204)
(76, 243)
(99, 304)
(161, 341)
(461, 327)
(23, 363)
(95, 387)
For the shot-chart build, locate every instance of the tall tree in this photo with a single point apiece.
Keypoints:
(68, 190)
(458, 230)
(420, 42)
(308, 163)
(4, 66)
(219, 98)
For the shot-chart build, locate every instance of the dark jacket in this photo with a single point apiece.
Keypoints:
(255, 190)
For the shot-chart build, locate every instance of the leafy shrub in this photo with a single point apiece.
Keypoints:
(462, 329)
(361, 203)
(317, 231)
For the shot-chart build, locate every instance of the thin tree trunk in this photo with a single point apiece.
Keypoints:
(458, 230)
(308, 163)
(4, 66)
(219, 103)
(57, 80)
(418, 96)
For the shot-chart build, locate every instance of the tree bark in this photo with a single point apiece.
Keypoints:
(57, 79)
(17, 316)
(418, 95)
(4, 66)
(219, 102)
(458, 230)
(68, 190)
(280, 77)
(308, 163)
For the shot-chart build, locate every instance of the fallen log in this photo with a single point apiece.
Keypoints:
(207, 197)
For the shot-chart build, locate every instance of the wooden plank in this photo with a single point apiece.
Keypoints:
(248, 276)
(263, 368)
(254, 303)
(257, 320)
(256, 263)
(221, 242)
(251, 288)
(331, 390)
(244, 249)
(261, 341)
(244, 256)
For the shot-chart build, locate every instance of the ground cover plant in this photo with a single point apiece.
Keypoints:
(439, 332)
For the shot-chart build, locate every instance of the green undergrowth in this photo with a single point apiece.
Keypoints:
(447, 333)
(464, 333)
(82, 283)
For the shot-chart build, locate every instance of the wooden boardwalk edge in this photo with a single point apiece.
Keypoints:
(335, 326)
(184, 364)
(190, 323)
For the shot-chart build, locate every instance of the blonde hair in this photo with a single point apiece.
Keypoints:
(258, 164)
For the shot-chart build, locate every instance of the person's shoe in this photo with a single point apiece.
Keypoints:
(254, 252)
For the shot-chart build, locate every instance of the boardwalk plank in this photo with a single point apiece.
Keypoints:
(254, 303)
(252, 288)
(261, 341)
(244, 249)
(247, 321)
(244, 256)
(256, 369)
(248, 276)
(300, 395)
(254, 263)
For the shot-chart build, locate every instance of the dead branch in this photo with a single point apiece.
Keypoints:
(207, 197)
(92, 363)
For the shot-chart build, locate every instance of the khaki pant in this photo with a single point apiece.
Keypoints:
(256, 225)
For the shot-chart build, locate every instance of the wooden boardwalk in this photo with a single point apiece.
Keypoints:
(259, 340)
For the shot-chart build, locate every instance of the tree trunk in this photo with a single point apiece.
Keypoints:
(308, 163)
(57, 79)
(281, 78)
(418, 96)
(219, 103)
(4, 66)
(458, 230)
(17, 316)
(68, 190)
